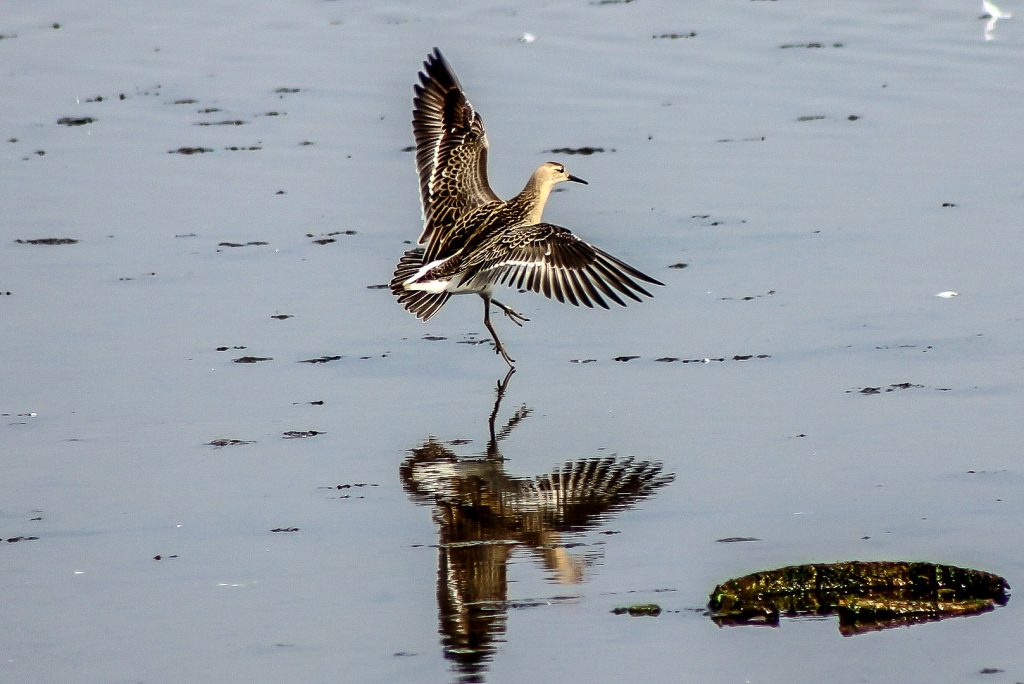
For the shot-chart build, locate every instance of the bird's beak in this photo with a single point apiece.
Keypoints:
(576, 179)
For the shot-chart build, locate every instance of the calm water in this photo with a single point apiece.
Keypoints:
(820, 196)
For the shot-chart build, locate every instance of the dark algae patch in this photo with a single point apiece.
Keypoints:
(639, 610)
(222, 442)
(813, 44)
(47, 241)
(866, 596)
(190, 150)
(300, 434)
(322, 359)
(892, 388)
(585, 150)
(75, 120)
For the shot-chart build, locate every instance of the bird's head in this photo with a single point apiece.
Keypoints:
(552, 173)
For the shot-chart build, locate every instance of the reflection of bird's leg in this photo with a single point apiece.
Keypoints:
(498, 348)
(521, 413)
(502, 384)
(499, 394)
(516, 317)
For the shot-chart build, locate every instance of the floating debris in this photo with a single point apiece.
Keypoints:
(993, 14)
(867, 596)
(285, 529)
(735, 540)
(639, 610)
(252, 359)
(527, 38)
(322, 359)
(947, 294)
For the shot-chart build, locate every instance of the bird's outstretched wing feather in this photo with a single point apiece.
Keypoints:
(451, 149)
(550, 260)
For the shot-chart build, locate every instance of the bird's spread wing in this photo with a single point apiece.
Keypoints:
(451, 148)
(550, 260)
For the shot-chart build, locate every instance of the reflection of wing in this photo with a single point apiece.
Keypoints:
(550, 260)
(575, 497)
(451, 149)
(582, 493)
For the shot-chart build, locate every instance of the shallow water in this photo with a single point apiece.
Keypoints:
(818, 244)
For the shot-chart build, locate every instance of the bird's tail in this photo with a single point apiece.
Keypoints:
(421, 304)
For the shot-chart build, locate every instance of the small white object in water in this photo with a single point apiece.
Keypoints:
(947, 294)
(527, 38)
(994, 14)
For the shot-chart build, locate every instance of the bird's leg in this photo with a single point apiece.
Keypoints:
(514, 315)
(498, 348)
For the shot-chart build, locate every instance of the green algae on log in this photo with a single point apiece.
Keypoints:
(867, 596)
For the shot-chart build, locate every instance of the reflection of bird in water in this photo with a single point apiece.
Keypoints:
(472, 240)
(993, 14)
(483, 514)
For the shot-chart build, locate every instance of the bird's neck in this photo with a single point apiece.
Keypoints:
(533, 198)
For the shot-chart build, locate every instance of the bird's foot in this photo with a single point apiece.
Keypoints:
(499, 349)
(513, 315)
